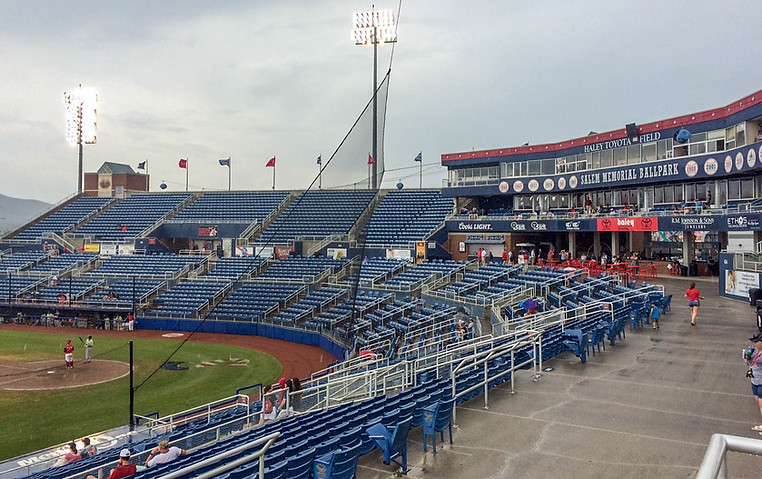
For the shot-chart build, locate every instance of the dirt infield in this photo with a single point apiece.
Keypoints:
(15, 376)
(297, 359)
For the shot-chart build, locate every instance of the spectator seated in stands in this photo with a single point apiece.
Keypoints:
(123, 469)
(163, 454)
(88, 450)
(72, 455)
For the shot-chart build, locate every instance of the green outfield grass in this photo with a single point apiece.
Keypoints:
(36, 419)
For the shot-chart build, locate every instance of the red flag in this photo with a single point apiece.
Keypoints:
(271, 162)
(371, 160)
(183, 163)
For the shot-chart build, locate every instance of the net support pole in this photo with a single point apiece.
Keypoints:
(132, 392)
(374, 166)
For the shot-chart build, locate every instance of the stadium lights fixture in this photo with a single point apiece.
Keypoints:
(372, 28)
(81, 121)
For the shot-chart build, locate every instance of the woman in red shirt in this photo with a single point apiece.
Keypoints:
(693, 296)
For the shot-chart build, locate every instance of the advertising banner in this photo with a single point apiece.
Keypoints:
(628, 224)
(211, 231)
(738, 283)
(336, 253)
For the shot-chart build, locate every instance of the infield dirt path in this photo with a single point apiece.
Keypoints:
(297, 359)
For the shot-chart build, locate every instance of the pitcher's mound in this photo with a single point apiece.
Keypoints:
(16, 376)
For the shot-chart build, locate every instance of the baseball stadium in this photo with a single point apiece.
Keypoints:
(507, 324)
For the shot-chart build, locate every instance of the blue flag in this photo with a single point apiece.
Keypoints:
(419, 157)
(225, 162)
(142, 165)
(320, 160)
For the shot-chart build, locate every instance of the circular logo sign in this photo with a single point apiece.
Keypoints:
(533, 185)
(751, 158)
(739, 160)
(711, 166)
(561, 183)
(503, 187)
(548, 184)
(573, 181)
(518, 186)
(728, 164)
(691, 168)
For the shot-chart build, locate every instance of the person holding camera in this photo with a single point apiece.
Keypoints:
(753, 358)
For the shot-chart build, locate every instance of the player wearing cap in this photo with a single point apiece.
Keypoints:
(163, 454)
(69, 354)
(753, 357)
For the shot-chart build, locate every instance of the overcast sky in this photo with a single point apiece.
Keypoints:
(251, 79)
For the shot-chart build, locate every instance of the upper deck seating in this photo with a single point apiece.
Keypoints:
(132, 216)
(421, 272)
(297, 268)
(407, 215)
(64, 262)
(255, 300)
(66, 218)
(318, 214)
(233, 206)
(20, 261)
(164, 266)
(235, 267)
(187, 299)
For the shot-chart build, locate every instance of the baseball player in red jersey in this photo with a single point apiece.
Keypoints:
(69, 354)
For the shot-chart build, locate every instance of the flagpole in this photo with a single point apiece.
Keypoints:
(186, 174)
(230, 169)
(420, 172)
(273, 175)
(320, 172)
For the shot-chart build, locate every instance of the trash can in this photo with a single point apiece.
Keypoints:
(755, 294)
(683, 271)
(693, 271)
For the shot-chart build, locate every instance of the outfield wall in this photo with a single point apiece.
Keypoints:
(299, 336)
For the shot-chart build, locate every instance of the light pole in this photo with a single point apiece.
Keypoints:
(372, 28)
(81, 122)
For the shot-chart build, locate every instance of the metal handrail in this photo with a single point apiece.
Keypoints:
(715, 464)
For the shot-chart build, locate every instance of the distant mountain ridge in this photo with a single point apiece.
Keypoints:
(16, 211)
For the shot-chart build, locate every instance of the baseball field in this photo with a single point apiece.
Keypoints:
(45, 404)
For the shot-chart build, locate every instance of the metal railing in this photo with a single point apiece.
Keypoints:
(715, 464)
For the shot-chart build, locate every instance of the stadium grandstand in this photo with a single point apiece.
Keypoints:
(394, 285)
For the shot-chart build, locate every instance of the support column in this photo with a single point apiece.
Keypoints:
(572, 244)
(630, 245)
(597, 244)
(688, 248)
(614, 243)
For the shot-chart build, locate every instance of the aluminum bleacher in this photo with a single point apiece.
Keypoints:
(405, 216)
(318, 214)
(65, 218)
(131, 217)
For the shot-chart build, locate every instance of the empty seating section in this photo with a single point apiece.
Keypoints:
(339, 317)
(21, 261)
(186, 300)
(318, 214)
(235, 267)
(405, 216)
(65, 218)
(15, 286)
(124, 291)
(132, 216)
(489, 281)
(64, 262)
(251, 301)
(151, 266)
(313, 303)
(418, 274)
(69, 289)
(377, 270)
(297, 268)
(235, 206)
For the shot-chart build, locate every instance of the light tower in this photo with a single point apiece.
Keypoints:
(372, 28)
(81, 121)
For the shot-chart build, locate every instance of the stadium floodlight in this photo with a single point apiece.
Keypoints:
(81, 121)
(372, 28)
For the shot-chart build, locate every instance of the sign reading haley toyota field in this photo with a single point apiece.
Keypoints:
(628, 224)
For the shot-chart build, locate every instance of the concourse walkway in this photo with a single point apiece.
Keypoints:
(644, 408)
